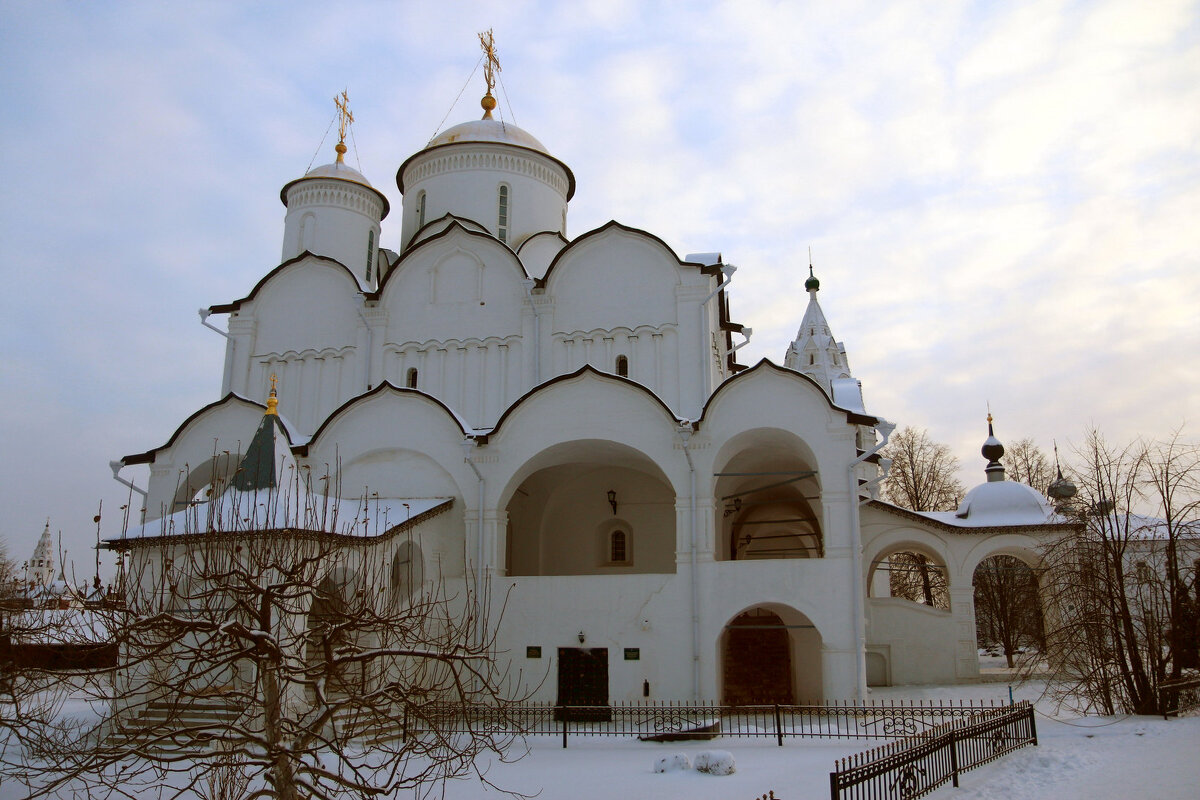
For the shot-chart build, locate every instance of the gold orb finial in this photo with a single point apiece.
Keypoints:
(273, 399)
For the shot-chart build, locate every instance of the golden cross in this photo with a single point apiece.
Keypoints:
(345, 117)
(274, 380)
(488, 43)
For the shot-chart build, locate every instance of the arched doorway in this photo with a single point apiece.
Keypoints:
(327, 624)
(770, 654)
(758, 659)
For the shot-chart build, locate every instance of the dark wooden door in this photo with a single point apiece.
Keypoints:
(583, 683)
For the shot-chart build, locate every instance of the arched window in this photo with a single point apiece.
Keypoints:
(812, 359)
(618, 547)
(370, 252)
(623, 366)
(420, 210)
(502, 214)
(410, 379)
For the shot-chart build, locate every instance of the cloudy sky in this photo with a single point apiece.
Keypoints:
(1002, 199)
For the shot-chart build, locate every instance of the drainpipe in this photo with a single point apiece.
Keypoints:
(529, 283)
(468, 443)
(231, 343)
(885, 429)
(727, 271)
(116, 467)
(685, 435)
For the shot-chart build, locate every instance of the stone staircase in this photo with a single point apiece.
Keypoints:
(163, 726)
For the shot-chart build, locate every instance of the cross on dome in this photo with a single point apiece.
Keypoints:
(345, 119)
(490, 67)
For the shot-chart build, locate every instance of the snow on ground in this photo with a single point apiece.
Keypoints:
(1078, 759)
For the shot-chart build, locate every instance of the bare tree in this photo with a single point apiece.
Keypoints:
(922, 475)
(1007, 609)
(269, 660)
(1118, 595)
(916, 577)
(1025, 462)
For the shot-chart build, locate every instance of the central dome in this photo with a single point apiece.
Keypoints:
(487, 130)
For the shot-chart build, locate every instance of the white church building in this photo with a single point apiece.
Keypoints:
(566, 416)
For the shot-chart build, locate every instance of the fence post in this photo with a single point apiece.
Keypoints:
(954, 751)
(564, 724)
(833, 783)
(778, 727)
(1032, 726)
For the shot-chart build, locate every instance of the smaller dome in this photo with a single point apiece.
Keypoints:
(339, 170)
(812, 284)
(1004, 503)
(487, 130)
(1061, 489)
(992, 450)
(336, 171)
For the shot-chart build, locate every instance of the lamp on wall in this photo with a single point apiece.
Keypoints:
(612, 499)
(582, 637)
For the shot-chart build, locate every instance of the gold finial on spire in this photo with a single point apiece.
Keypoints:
(490, 68)
(273, 399)
(345, 118)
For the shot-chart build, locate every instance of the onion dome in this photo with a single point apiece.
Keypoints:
(1060, 489)
(992, 450)
(812, 284)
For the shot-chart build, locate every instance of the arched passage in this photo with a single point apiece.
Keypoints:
(911, 572)
(770, 499)
(1008, 607)
(770, 654)
(591, 508)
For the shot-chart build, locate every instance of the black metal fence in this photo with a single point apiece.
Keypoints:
(660, 721)
(1179, 696)
(914, 767)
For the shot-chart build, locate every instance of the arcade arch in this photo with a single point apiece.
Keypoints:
(913, 572)
(769, 499)
(583, 503)
(1008, 607)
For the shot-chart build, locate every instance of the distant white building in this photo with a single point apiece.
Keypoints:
(567, 415)
(40, 570)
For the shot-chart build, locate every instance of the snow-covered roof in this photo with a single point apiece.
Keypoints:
(1002, 503)
(847, 394)
(266, 510)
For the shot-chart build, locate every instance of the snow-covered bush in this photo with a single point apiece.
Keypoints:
(673, 763)
(715, 762)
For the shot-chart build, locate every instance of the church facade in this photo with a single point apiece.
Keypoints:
(566, 418)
